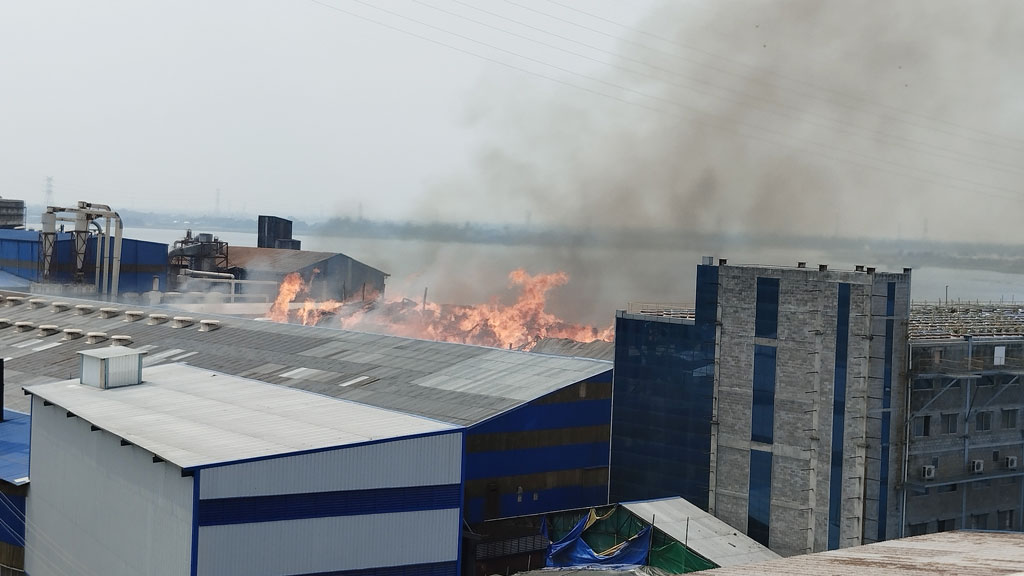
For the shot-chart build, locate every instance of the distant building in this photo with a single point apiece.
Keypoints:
(772, 403)
(965, 459)
(198, 472)
(329, 275)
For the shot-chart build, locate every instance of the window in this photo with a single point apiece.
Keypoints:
(766, 314)
(995, 455)
(919, 529)
(983, 421)
(1010, 418)
(922, 425)
(923, 384)
(759, 501)
(1004, 520)
(946, 488)
(999, 358)
(981, 484)
(762, 417)
(979, 521)
(949, 423)
(947, 525)
(835, 482)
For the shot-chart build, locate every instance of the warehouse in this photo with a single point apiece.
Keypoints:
(537, 425)
(198, 472)
(329, 275)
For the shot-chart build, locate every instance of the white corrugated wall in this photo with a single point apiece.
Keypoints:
(97, 507)
(329, 544)
(322, 545)
(426, 461)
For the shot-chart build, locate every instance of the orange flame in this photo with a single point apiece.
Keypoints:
(519, 325)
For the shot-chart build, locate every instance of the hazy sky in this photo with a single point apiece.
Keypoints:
(848, 117)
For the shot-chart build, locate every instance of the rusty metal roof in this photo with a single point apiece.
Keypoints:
(279, 260)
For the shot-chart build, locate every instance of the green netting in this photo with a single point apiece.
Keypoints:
(677, 559)
(616, 525)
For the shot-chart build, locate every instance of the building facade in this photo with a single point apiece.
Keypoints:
(199, 473)
(799, 426)
(966, 439)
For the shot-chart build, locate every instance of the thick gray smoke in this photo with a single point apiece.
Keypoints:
(797, 117)
(742, 119)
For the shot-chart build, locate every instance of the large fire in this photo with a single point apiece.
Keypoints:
(519, 325)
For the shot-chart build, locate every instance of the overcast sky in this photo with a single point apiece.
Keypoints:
(902, 118)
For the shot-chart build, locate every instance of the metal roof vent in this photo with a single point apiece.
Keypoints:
(134, 315)
(14, 300)
(95, 337)
(48, 329)
(157, 319)
(111, 367)
(182, 322)
(24, 326)
(61, 306)
(84, 309)
(209, 325)
(37, 303)
(109, 312)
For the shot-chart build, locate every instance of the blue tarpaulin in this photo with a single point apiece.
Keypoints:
(572, 550)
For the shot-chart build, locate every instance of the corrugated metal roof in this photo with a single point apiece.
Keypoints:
(455, 383)
(194, 417)
(278, 260)
(706, 535)
(960, 553)
(14, 438)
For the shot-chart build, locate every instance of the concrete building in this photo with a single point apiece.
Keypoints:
(771, 403)
(966, 434)
(960, 553)
(202, 473)
(537, 426)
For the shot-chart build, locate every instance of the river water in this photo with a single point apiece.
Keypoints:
(602, 278)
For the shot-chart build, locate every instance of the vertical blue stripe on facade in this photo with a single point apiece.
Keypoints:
(762, 415)
(766, 313)
(760, 497)
(663, 394)
(883, 474)
(835, 481)
(195, 522)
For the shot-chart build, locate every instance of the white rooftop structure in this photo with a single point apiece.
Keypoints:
(193, 417)
(706, 535)
(959, 553)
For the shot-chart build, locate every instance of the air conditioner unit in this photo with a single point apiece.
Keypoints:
(977, 466)
(1011, 462)
(928, 472)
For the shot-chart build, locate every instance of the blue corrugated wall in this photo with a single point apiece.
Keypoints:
(550, 454)
(21, 250)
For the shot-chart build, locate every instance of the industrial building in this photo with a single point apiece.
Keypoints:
(14, 459)
(537, 426)
(772, 403)
(181, 470)
(964, 424)
(22, 254)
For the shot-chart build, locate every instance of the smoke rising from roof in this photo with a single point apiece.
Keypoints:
(797, 116)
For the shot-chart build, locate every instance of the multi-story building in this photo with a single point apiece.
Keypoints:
(772, 404)
(964, 421)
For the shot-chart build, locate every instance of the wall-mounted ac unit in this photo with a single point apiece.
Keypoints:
(977, 466)
(928, 472)
(1011, 462)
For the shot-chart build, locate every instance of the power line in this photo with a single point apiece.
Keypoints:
(1015, 142)
(739, 97)
(966, 184)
